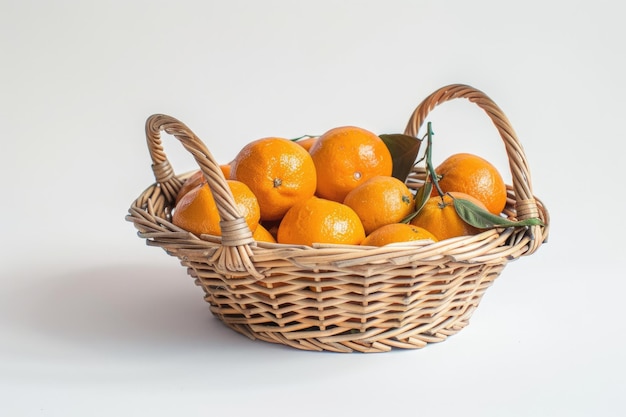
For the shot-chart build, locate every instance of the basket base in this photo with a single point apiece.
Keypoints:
(350, 346)
(409, 336)
(339, 311)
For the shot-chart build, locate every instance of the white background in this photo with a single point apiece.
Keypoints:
(93, 322)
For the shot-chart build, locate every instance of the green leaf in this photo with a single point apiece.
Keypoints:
(421, 197)
(482, 219)
(404, 150)
(303, 137)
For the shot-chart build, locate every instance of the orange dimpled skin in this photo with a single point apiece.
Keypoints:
(317, 220)
(278, 171)
(379, 201)
(439, 217)
(197, 211)
(246, 202)
(395, 233)
(194, 180)
(473, 175)
(261, 234)
(345, 157)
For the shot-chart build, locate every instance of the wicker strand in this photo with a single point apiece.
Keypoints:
(232, 259)
(525, 201)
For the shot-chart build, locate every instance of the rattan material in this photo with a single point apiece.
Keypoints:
(330, 297)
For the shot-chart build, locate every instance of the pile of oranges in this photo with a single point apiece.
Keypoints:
(338, 188)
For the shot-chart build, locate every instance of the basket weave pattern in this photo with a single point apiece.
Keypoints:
(333, 297)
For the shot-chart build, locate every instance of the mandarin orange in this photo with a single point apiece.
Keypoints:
(379, 201)
(279, 172)
(397, 232)
(440, 218)
(473, 175)
(197, 211)
(194, 180)
(345, 157)
(261, 234)
(318, 220)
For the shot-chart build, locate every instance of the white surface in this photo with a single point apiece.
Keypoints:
(93, 322)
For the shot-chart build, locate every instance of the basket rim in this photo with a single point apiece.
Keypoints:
(238, 248)
(490, 246)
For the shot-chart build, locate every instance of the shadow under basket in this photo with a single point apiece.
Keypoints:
(340, 298)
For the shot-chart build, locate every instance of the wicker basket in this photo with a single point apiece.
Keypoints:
(331, 297)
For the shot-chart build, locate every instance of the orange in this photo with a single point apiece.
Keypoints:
(197, 212)
(194, 180)
(279, 172)
(397, 232)
(473, 175)
(261, 234)
(439, 217)
(345, 157)
(317, 220)
(307, 142)
(379, 201)
(225, 170)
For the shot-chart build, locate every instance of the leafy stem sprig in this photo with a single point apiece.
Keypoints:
(432, 175)
(468, 211)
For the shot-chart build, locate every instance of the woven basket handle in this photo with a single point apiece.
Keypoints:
(234, 253)
(526, 205)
